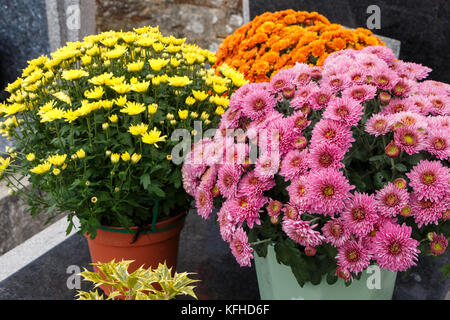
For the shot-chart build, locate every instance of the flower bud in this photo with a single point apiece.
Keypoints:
(400, 183)
(392, 150)
(310, 251)
(385, 98)
(275, 220)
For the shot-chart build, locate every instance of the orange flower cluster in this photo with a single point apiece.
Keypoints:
(273, 41)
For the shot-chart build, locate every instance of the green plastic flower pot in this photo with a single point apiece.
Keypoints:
(277, 282)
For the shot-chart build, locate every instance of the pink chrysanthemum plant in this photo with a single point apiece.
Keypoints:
(345, 169)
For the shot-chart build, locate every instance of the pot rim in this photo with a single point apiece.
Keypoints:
(168, 224)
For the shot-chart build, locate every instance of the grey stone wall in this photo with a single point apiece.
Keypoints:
(203, 22)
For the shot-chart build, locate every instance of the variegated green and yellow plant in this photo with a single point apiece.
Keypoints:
(142, 284)
(91, 125)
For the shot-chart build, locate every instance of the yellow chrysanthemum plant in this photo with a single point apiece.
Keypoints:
(91, 125)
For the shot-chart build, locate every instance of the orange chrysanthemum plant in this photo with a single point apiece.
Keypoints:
(273, 41)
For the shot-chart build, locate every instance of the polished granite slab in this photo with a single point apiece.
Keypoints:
(201, 251)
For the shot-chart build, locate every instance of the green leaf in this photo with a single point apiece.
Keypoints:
(445, 271)
(401, 167)
(331, 278)
(145, 180)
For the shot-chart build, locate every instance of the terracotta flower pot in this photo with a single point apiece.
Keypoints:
(152, 246)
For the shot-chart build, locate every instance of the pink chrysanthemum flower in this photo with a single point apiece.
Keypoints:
(297, 192)
(226, 223)
(281, 80)
(247, 208)
(437, 142)
(360, 214)
(394, 249)
(420, 103)
(391, 199)
(208, 179)
(430, 180)
(440, 104)
(252, 185)
(320, 97)
(360, 93)
(331, 132)
(230, 119)
(439, 244)
(190, 178)
(327, 190)
(301, 74)
(241, 249)
(280, 134)
(302, 232)
(397, 105)
(427, 211)
(204, 202)
(408, 118)
(353, 256)
(381, 52)
(345, 110)
(257, 103)
(383, 78)
(335, 82)
(325, 156)
(439, 121)
(238, 96)
(300, 121)
(409, 139)
(357, 75)
(370, 61)
(303, 94)
(294, 164)
(274, 208)
(410, 70)
(402, 87)
(378, 124)
(227, 179)
(267, 166)
(335, 232)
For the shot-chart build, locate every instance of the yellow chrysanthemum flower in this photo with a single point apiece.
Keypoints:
(52, 115)
(121, 88)
(101, 79)
(152, 108)
(183, 114)
(94, 93)
(42, 168)
(153, 137)
(135, 66)
(63, 97)
(140, 86)
(133, 108)
(113, 118)
(138, 129)
(158, 64)
(74, 74)
(80, 154)
(117, 52)
(199, 95)
(220, 111)
(179, 81)
(190, 101)
(125, 156)
(136, 157)
(57, 159)
(115, 157)
(31, 156)
(121, 101)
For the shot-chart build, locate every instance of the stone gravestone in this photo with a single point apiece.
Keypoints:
(421, 26)
(30, 28)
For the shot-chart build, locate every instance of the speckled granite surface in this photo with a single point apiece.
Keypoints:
(23, 36)
(201, 251)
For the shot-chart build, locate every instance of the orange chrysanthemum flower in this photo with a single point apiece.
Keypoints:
(277, 40)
